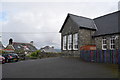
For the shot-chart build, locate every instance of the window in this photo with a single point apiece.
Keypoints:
(69, 42)
(112, 43)
(19, 47)
(104, 44)
(75, 41)
(64, 43)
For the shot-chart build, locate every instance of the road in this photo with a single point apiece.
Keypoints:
(59, 67)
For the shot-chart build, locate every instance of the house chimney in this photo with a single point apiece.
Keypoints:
(10, 41)
(32, 42)
(53, 47)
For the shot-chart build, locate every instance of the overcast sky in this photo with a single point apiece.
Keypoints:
(41, 21)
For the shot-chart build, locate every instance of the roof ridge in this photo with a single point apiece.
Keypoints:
(21, 42)
(107, 14)
(84, 18)
(79, 16)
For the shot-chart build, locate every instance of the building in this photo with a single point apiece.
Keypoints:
(101, 33)
(1, 46)
(18, 47)
(48, 49)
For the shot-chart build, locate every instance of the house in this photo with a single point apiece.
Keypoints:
(2, 49)
(79, 32)
(18, 47)
(48, 49)
(1, 46)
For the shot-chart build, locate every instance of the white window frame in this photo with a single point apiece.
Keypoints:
(70, 42)
(64, 43)
(75, 41)
(104, 44)
(112, 43)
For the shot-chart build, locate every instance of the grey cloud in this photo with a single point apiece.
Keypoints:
(41, 22)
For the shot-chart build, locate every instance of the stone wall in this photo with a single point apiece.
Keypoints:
(71, 53)
(118, 42)
(85, 37)
(98, 41)
(69, 28)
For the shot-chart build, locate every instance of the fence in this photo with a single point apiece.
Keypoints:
(101, 56)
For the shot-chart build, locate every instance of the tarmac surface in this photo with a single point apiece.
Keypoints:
(59, 67)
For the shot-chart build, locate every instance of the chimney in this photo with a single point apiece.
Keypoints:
(52, 47)
(10, 41)
(32, 42)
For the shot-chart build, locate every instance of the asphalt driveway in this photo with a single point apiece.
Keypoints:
(59, 67)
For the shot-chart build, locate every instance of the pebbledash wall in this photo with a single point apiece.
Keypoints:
(98, 41)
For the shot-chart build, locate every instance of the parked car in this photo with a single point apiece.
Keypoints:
(15, 57)
(11, 57)
(22, 56)
(2, 59)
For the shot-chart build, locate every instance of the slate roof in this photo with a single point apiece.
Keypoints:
(82, 22)
(24, 46)
(108, 24)
(104, 25)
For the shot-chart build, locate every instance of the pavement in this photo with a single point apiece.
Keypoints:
(59, 67)
(0, 71)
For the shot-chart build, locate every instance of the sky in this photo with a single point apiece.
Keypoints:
(40, 20)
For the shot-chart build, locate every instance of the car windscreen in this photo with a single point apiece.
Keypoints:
(5, 55)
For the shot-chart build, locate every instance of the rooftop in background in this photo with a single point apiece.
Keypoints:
(21, 46)
(24, 46)
(48, 49)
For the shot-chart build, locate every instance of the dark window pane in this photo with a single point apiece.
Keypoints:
(113, 46)
(105, 46)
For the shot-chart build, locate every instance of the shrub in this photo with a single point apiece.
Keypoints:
(34, 54)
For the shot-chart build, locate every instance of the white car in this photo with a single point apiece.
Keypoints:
(2, 59)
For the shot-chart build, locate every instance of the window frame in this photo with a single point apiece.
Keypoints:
(112, 43)
(104, 43)
(69, 45)
(75, 41)
(64, 42)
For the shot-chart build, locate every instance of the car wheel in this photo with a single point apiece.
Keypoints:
(3, 62)
(16, 61)
(7, 60)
